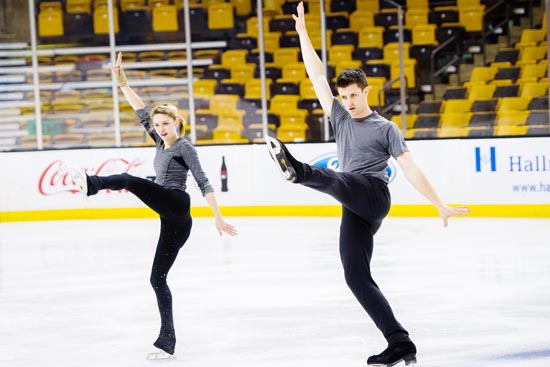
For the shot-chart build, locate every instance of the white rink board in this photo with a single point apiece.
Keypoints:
(481, 171)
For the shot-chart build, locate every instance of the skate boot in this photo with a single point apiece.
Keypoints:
(280, 155)
(158, 355)
(394, 353)
(79, 178)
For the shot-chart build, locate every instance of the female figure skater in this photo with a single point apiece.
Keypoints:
(365, 141)
(174, 157)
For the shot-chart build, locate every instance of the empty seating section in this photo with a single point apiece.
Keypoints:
(503, 97)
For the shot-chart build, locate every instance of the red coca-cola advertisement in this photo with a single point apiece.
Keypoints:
(54, 178)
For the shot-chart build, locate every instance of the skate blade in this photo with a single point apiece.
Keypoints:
(82, 190)
(160, 356)
(409, 361)
(278, 155)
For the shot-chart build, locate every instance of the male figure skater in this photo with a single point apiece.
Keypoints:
(365, 141)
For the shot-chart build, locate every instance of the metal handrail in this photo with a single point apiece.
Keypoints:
(386, 87)
(493, 31)
(433, 72)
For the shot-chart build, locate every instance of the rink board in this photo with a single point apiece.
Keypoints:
(496, 177)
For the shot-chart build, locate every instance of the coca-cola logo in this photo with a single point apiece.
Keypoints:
(55, 179)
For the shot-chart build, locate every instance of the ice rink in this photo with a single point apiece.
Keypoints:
(77, 293)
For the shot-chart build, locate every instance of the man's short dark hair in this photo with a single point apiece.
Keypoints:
(352, 76)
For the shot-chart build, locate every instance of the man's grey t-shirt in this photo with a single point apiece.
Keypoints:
(365, 145)
(172, 164)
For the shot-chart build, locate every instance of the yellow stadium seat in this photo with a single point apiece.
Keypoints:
(163, 73)
(273, 7)
(95, 122)
(284, 102)
(220, 16)
(151, 56)
(532, 72)
(243, 8)
(410, 118)
(154, 3)
(253, 88)
(285, 55)
(30, 141)
(424, 34)
(340, 66)
(234, 57)
(457, 105)
(131, 4)
(371, 37)
(242, 72)
(417, 4)
(453, 132)
(454, 119)
(512, 104)
(228, 135)
(360, 19)
(78, 6)
(337, 53)
(223, 102)
(530, 37)
(165, 18)
(410, 72)
(292, 133)
(231, 119)
(392, 53)
(374, 98)
(295, 71)
(297, 116)
(533, 89)
(481, 91)
(133, 138)
(96, 93)
(50, 23)
(69, 96)
(204, 87)
(416, 16)
(306, 89)
(271, 41)
(481, 75)
(69, 139)
(465, 3)
(175, 55)
(531, 55)
(511, 130)
(512, 117)
(68, 108)
(252, 26)
(369, 5)
(471, 17)
(101, 20)
(317, 41)
(101, 140)
(100, 107)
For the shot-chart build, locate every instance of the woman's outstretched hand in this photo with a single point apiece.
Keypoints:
(222, 227)
(118, 71)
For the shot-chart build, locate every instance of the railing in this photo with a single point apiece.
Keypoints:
(455, 60)
(497, 29)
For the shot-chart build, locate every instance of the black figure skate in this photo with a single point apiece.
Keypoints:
(280, 155)
(394, 353)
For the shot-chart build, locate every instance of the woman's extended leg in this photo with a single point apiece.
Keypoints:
(173, 234)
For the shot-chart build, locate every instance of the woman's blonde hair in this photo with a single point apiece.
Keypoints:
(171, 111)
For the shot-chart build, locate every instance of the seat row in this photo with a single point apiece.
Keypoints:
(54, 23)
(476, 124)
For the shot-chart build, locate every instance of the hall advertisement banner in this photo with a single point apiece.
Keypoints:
(480, 171)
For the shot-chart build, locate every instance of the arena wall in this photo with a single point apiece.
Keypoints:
(495, 177)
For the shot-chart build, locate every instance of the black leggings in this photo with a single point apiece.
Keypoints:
(365, 203)
(175, 226)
